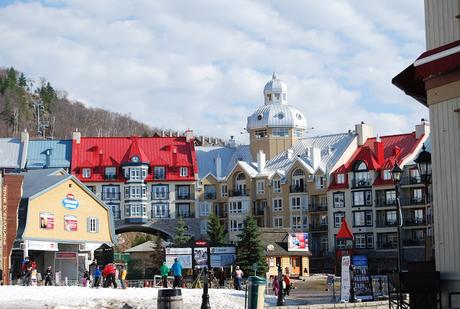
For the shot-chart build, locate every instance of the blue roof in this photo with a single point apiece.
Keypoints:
(49, 154)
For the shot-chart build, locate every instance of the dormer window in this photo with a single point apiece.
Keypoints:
(340, 178)
(269, 97)
(159, 172)
(277, 96)
(183, 172)
(86, 173)
(386, 175)
(110, 172)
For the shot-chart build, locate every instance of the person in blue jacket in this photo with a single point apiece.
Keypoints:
(97, 277)
(176, 269)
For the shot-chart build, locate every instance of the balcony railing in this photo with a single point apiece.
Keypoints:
(384, 203)
(114, 196)
(185, 196)
(185, 214)
(410, 180)
(386, 223)
(297, 189)
(258, 211)
(386, 245)
(318, 227)
(361, 183)
(243, 192)
(210, 195)
(413, 242)
(158, 196)
(317, 207)
(221, 214)
(412, 201)
(413, 222)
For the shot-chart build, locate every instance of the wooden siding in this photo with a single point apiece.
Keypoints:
(441, 24)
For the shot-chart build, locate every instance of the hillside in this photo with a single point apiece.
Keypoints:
(49, 113)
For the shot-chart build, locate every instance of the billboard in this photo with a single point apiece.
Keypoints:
(298, 242)
(200, 256)
(70, 223)
(183, 255)
(361, 278)
(46, 220)
(222, 256)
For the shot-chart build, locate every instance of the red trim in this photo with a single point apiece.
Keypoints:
(439, 49)
(344, 232)
(438, 66)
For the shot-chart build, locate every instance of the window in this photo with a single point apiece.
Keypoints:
(391, 218)
(280, 132)
(298, 133)
(370, 240)
(86, 173)
(159, 172)
(183, 192)
(261, 133)
(386, 175)
(276, 186)
(277, 204)
(115, 208)
(364, 240)
(390, 197)
(205, 208)
(361, 175)
(362, 218)
(295, 202)
(223, 190)
(183, 210)
(340, 178)
(417, 195)
(204, 227)
(260, 187)
(160, 211)
(110, 193)
(319, 182)
(136, 210)
(209, 192)
(183, 172)
(338, 216)
(339, 199)
(135, 192)
(362, 198)
(160, 192)
(418, 216)
(238, 207)
(93, 225)
(296, 222)
(110, 172)
(135, 173)
(277, 222)
(236, 225)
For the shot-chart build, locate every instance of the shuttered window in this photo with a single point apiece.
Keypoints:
(92, 225)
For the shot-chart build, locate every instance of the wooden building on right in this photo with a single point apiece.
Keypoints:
(434, 80)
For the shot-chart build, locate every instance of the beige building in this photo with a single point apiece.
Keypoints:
(434, 80)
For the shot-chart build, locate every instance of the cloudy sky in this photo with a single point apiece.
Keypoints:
(203, 64)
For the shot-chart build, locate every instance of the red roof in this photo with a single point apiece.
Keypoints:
(344, 232)
(99, 152)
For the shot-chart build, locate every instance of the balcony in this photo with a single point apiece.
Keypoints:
(110, 196)
(190, 214)
(384, 203)
(160, 196)
(413, 242)
(411, 180)
(314, 207)
(318, 227)
(414, 222)
(297, 189)
(221, 214)
(361, 183)
(258, 211)
(210, 195)
(243, 192)
(185, 196)
(408, 201)
(385, 245)
(386, 223)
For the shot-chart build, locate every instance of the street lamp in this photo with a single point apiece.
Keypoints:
(396, 174)
(281, 301)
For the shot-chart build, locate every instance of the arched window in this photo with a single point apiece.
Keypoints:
(241, 176)
(360, 166)
(298, 172)
(362, 177)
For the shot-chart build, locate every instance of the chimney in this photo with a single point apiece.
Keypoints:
(76, 136)
(290, 154)
(162, 133)
(315, 157)
(379, 151)
(422, 129)
(260, 160)
(189, 136)
(364, 131)
(232, 142)
(218, 167)
(24, 136)
(174, 155)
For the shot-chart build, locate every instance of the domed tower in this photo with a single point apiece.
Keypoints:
(275, 126)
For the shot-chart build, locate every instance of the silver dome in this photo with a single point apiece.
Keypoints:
(276, 115)
(276, 85)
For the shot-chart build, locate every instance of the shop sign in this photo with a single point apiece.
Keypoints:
(42, 245)
(65, 255)
(298, 242)
(70, 223)
(201, 243)
(46, 220)
(223, 250)
(70, 202)
(361, 278)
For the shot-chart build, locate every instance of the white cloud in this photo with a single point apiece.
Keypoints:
(203, 64)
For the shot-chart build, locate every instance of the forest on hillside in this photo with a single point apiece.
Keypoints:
(48, 113)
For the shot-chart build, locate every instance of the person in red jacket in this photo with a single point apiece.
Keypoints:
(109, 273)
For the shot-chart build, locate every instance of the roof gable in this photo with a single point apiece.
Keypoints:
(344, 232)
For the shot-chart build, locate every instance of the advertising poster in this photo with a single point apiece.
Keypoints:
(183, 255)
(222, 256)
(200, 256)
(70, 223)
(298, 242)
(46, 220)
(361, 278)
(70, 202)
(379, 286)
(345, 279)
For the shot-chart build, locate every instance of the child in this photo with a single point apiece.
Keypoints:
(85, 279)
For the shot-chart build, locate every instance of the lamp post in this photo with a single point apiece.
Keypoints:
(281, 301)
(205, 297)
(396, 174)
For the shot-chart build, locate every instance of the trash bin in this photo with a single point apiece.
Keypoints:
(256, 292)
(169, 299)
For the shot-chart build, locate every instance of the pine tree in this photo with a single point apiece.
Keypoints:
(158, 254)
(250, 249)
(181, 238)
(216, 231)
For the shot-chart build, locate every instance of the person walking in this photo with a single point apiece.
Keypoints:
(48, 276)
(221, 278)
(109, 273)
(86, 279)
(123, 273)
(97, 277)
(238, 278)
(92, 270)
(164, 271)
(177, 273)
(287, 282)
(276, 285)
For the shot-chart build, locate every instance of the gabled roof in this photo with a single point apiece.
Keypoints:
(344, 232)
(13, 153)
(36, 181)
(135, 150)
(49, 154)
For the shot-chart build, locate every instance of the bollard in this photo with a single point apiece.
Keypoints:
(169, 299)
(256, 292)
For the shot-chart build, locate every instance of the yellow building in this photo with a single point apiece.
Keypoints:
(61, 222)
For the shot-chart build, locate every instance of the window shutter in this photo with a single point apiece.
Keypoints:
(97, 225)
(88, 225)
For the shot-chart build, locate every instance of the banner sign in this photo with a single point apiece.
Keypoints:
(361, 278)
(70, 223)
(222, 250)
(65, 255)
(70, 202)
(42, 245)
(222, 256)
(298, 242)
(379, 286)
(46, 220)
(200, 256)
(178, 251)
(345, 280)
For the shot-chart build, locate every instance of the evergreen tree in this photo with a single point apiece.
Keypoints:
(158, 254)
(250, 249)
(22, 81)
(216, 231)
(140, 239)
(181, 238)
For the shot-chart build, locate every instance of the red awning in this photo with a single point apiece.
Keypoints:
(344, 232)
